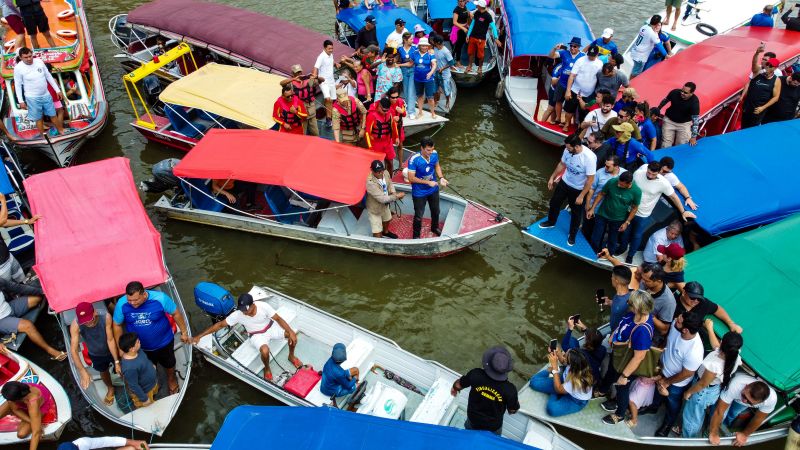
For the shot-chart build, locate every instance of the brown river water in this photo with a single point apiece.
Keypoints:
(511, 290)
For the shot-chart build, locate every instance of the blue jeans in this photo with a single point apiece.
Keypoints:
(734, 410)
(409, 93)
(694, 410)
(638, 68)
(633, 235)
(674, 400)
(557, 404)
(600, 226)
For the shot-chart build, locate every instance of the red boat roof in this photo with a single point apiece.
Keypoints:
(315, 166)
(94, 236)
(265, 40)
(719, 66)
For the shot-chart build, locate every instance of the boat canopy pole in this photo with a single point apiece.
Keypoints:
(300, 197)
(730, 118)
(184, 119)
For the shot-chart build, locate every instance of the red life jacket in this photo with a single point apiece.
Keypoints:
(382, 127)
(349, 120)
(303, 91)
(291, 118)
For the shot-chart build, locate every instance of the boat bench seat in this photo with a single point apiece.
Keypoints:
(248, 355)
(362, 228)
(452, 221)
(280, 203)
(199, 194)
(359, 354)
(434, 407)
(332, 221)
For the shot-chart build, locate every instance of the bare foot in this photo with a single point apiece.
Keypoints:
(480, 71)
(674, 27)
(565, 128)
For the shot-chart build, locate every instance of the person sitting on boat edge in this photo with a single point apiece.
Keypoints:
(141, 378)
(592, 347)
(95, 329)
(145, 312)
(569, 391)
(27, 402)
(381, 131)
(645, 42)
(607, 47)
(349, 118)
(289, 112)
(425, 175)
(578, 166)
(24, 297)
(743, 392)
(490, 394)
(35, 20)
(764, 18)
(482, 22)
(258, 319)
(104, 442)
(31, 78)
(381, 192)
(337, 381)
(304, 88)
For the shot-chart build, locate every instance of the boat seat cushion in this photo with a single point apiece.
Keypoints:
(184, 122)
(248, 355)
(436, 404)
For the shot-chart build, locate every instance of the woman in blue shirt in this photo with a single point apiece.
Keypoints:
(424, 69)
(407, 67)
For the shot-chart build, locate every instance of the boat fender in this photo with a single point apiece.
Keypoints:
(66, 14)
(68, 34)
(708, 30)
(9, 45)
(498, 92)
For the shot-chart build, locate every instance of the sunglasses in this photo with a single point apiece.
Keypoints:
(394, 97)
(573, 46)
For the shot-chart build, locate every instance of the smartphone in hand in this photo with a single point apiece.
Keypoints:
(553, 344)
(575, 319)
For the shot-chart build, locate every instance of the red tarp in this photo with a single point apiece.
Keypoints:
(268, 41)
(94, 236)
(312, 165)
(719, 66)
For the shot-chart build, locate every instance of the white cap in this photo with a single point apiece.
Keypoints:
(608, 32)
(423, 41)
(480, 3)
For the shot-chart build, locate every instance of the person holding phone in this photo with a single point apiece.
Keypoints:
(571, 389)
(592, 347)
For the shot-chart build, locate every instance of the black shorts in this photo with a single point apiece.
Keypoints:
(164, 356)
(34, 18)
(101, 363)
(571, 105)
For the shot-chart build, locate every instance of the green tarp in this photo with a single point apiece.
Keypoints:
(755, 276)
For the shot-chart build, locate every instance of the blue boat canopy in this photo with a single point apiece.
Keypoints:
(537, 25)
(5, 183)
(384, 19)
(443, 9)
(741, 179)
(323, 427)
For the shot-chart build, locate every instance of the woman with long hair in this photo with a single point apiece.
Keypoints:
(569, 390)
(28, 402)
(592, 347)
(712, 377)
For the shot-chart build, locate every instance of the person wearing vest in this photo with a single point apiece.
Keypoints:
(399, 109)
(304, 88)
(289, 112)
(761, 91)
(93, 329)
(349, 118)
(381, 131)
(380, 193)
(35, 20)
(145, 313)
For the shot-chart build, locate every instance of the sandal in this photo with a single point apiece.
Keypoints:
(60, 357)
(174, 390)
(109, 400)
(296, 362)
(268, 376)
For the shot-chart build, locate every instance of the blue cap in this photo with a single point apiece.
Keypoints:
(339, 353)
(245, 300)
(369, 19)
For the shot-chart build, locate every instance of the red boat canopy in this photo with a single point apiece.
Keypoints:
(94, 236)
(272, 43)
(307, 164)
(719, 66)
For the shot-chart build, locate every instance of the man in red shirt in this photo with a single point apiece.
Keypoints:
(381, 132)
(289, 112)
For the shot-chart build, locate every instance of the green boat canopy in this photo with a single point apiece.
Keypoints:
(756, 277)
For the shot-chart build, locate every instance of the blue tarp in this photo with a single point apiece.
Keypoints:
(741, 179)
(384, 19)
(302, 428)
(537, 25)
(5, 183)
(443, 9)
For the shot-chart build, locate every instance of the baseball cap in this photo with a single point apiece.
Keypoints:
(625, 127)
(377, 166)
(84, 312)
(694, 290)
(297, 68)
(593, 51)
(480, 3)
(369, 19)
(399, 22)
(245, 300)
(339, 353)
(608, 32)
(673, 250)
(773, 62)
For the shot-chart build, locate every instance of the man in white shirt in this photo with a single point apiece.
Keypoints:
(645, 41)
(595, 120)
(579, 165)
(581, 84)
(680, 360)
(653, 186)
(323, 68)
(743, 392)
(395, 38)
(106, 442)
(258, 319)
(671, 234)
(31, 78)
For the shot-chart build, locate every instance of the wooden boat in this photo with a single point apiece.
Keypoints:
(709, 18)
(719, 215)
(439, 15)
(14, 367)
(533, 27)
(74, 60)
(111, 235)
(215, 96)
(399, 384)
(319, 204)
(719, 66)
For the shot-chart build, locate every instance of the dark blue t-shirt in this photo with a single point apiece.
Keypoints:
(762, 20)
(334, 378)
(648, 132)
(422, 65)
(619, 306)
(634, 150)
(567, 61)
(642, 337)
(424, 170)
(148, 320)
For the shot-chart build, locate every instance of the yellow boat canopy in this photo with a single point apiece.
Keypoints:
(241, 94)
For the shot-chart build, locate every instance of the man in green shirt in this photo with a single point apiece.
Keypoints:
(618, 201)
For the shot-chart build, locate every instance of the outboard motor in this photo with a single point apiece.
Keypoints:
(214, 300)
